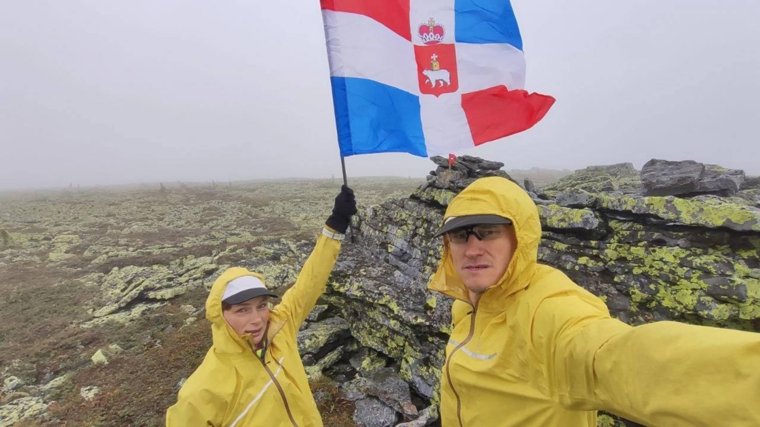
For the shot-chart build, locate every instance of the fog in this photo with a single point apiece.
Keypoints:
(103, 93)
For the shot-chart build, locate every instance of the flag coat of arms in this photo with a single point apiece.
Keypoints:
(426, 77)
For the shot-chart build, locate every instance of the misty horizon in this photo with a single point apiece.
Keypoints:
(102, 94)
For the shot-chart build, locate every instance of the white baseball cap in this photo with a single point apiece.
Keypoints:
(243, 288)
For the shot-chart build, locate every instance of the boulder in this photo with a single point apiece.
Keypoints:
(89, 392)
(99, 358)
(385, 385)
(21, 408)
(373, 413)
(684, 178)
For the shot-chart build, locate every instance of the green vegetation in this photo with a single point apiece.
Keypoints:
(58, 248)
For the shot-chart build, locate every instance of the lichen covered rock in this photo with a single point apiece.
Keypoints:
(619, 178)
(691, 259)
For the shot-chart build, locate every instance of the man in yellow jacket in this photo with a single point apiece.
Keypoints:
(529, 347)
(253, 375)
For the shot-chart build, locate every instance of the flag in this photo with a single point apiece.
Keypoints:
(426, 77)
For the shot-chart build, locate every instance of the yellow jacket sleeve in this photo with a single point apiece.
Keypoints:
(660, 374)
(298, 301)
(669, 373)
(196, 410)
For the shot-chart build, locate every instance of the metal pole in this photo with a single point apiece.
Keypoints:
(345, 182)
(343, 166)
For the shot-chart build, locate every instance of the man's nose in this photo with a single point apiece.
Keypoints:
(473, 246)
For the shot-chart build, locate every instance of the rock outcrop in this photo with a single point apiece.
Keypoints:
(650, 258)
(666, 178)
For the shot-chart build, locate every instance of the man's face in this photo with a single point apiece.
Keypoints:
(481, 262)
(249, 318)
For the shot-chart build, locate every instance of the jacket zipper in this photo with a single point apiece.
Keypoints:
(279, 388)
(448, 362)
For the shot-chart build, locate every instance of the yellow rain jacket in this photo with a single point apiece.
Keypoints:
(232, 386)
(538, 350)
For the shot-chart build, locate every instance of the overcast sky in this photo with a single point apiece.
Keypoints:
(110, 92)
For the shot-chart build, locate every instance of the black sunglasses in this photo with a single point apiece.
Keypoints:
(480, 231)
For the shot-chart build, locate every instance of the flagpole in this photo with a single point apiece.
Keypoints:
(345, 182)
(343, 166)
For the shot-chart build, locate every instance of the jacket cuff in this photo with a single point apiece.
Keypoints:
(329, 232)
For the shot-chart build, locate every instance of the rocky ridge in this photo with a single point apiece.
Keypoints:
(689, 255)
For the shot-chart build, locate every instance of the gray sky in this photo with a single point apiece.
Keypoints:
(109, 92)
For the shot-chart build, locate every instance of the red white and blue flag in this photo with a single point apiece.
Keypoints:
(426, 77)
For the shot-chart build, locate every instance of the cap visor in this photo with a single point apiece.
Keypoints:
(466, 220)
(248, 294)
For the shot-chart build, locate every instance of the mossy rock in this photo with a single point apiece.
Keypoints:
(587, 221)
(622, 177)
(703, 211)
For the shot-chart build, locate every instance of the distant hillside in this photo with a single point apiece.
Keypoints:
(540, 177)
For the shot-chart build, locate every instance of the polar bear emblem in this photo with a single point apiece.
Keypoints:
(435, 76)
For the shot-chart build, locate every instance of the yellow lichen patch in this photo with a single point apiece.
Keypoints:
(704, 211)
(555, 216)
(431, 302)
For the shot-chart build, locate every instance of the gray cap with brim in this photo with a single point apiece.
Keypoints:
(248, 294)
(243, 288)
(455, 222)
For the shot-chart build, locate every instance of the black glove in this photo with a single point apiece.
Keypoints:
(345, 206)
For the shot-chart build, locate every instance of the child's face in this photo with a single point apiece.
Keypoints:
(249, 318)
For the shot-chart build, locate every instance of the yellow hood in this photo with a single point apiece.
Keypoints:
(226, 340)
(551, 355)
(494, 196)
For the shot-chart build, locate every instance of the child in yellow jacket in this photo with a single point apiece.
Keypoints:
(252, 374)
